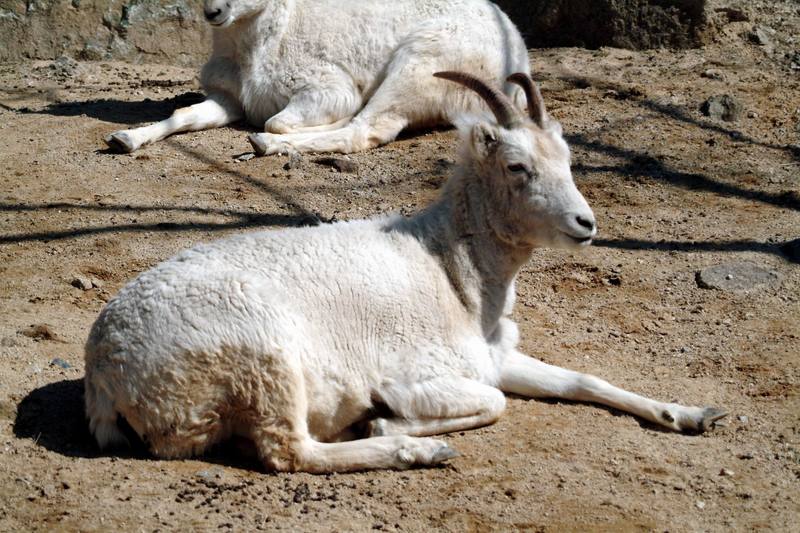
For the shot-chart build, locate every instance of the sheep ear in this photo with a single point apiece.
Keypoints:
(554, 126)
(483, 140)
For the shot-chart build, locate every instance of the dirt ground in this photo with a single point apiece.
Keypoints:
(674, 192)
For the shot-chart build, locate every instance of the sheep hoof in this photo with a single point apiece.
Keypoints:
(258, 144)
(120, 142)
(709, 416)
(443, 454)
(377, 428)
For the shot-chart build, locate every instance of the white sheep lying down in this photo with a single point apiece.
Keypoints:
(290, 338)
(340, 75)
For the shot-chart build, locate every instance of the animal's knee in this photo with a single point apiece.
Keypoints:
(279, 125)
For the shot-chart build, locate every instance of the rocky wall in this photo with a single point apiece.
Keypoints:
(173, 31)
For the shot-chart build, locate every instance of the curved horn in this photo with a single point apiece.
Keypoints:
(500, 105)
(536, 108)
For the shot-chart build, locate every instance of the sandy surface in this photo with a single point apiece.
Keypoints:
(674, 192)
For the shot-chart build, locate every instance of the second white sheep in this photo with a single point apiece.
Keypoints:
(340, 75)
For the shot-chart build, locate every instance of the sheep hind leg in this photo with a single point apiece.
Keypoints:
(358, 135)
(438, 406)
(321, 110)
(215, 111)
(529, 377)
(408, 95)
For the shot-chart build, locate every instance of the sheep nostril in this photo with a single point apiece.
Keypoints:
(211, 15)
(585, 222)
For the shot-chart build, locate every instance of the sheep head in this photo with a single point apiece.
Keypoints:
(223, 13)
(524, 164)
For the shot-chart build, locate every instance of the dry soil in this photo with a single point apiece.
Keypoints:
(674, 192)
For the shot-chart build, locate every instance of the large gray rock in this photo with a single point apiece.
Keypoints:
(635, 24)
(722, 107)
(736, 277)
(173, 31)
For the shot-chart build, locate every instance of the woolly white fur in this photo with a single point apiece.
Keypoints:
(342, 75)
(291, 337)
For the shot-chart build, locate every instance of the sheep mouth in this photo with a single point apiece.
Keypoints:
(221, 23)
(580, 241)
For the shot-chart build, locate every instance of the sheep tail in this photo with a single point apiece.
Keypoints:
(102, 415)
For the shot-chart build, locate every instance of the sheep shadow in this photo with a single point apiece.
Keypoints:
(53, 417)
(119, 111)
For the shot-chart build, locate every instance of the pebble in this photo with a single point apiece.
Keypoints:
(347, 166)
(295, 160)
(743, 419)
(245, 157)
(60, 363)
(8, 342)
(760, 35)
(39, 332)
(737, 277)
(700, 504)
(82, 283)
(713, 74)
(722, 107)
(726, 473)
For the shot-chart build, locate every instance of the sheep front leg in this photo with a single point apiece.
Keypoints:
(399, 452)
(529, 377)
(215, 111)
(437, 406)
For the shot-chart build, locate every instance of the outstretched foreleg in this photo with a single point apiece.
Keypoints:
(529, 377)
(217, 110)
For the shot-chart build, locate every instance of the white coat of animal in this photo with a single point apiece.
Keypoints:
(290, 338)
(340, 75)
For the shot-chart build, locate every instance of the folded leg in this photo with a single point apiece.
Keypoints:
(438, 406)
(323, 109)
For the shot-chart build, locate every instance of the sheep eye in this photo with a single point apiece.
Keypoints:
(517, 168)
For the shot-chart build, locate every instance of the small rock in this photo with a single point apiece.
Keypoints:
(733, 14)
(342, 165)
(745, 455)
(81, 283)
(713, 74)
(92, 52)
(60, 363)
(752, 114)
(760, 35)
(700, 504)
(722, 107)
(743, 419)
(245, 157)
(8, 342)
(41, 332)
(726, 473)
(735, 277)
(295, 160)
(63, 66)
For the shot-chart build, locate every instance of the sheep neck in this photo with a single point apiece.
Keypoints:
(256, 37)
(480, 264)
